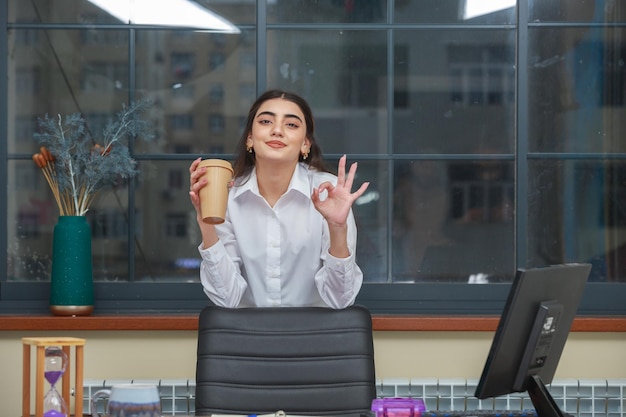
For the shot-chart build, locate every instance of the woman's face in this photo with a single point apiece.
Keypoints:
(278, 132)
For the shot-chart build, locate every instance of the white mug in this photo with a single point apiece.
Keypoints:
(129, 400)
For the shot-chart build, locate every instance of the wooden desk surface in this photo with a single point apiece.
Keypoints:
(379, 323)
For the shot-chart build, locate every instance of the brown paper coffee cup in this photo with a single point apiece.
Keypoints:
(214, 195)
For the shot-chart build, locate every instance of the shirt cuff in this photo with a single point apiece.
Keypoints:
(339, 264)
(212, 254)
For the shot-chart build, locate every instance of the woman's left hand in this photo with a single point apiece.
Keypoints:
(336, 206)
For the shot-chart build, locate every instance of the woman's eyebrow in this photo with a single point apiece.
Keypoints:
(269, 113)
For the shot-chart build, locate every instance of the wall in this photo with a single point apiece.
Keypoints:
(171, 355)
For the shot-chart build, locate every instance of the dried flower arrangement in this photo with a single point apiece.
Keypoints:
(76, 167)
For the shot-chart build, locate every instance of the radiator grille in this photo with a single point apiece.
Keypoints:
(582, 398)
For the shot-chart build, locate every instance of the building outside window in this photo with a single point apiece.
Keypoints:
(183, 91)
(216, 94)
(28, 81)
(176, 225)
(97, 122)
(104, 76)
(216, 123)
(183, 64)
(181, 121)
(216, 60)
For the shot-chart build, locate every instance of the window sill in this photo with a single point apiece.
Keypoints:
(190, 322)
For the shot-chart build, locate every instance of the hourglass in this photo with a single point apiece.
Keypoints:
(55, 364)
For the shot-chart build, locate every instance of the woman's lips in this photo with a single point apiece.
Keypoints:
(276, 144)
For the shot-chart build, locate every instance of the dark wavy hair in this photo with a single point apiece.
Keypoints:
(245, 161)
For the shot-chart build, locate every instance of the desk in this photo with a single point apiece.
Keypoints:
(176, 322)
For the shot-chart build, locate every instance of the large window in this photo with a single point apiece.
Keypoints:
(493, 140)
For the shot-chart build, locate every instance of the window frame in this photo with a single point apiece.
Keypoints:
(600, 299)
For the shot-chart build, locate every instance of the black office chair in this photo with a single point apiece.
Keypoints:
(301, 360)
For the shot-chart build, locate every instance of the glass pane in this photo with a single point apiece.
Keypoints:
(31, 216)
(236, 11)
(168, 235)
(582, 111)
(455, 11)
(577, 214)
(453, 221)
(109, 223)
(370, 212)
(64, 72)
(59, 11)
(459, 100)
(207, 14)
(343, 76)
(33, 213)
(202, 85)
(576, 11)
(327, 11)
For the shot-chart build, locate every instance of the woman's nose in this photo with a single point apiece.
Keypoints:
(277, 130)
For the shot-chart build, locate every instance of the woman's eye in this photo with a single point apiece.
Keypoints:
(292, 125)
(264, 121)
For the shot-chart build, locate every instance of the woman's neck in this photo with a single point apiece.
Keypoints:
(274, 180)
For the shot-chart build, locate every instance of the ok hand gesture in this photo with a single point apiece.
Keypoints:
(336, 206)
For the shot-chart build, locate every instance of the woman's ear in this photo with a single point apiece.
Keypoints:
(305, 149)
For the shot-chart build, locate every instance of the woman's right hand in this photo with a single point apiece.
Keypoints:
(196, 182)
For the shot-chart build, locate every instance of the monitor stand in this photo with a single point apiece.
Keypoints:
(544, 404)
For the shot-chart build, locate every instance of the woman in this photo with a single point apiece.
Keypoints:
(289, 237)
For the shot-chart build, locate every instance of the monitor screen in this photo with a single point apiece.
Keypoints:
(532, 332)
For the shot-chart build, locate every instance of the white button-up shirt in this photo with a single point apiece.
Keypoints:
(278, 256)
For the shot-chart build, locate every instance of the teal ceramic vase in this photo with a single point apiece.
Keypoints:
(71, 280)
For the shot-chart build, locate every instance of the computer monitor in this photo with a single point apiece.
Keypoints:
(532, 332)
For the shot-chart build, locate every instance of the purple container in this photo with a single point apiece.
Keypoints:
(398, 407)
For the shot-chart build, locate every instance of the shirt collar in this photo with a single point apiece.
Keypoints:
(300, 182)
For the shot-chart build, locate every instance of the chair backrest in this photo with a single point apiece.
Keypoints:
(302, 360)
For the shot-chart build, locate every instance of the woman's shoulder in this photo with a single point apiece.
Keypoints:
(317, 177)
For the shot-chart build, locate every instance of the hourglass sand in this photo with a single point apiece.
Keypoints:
(55, 364)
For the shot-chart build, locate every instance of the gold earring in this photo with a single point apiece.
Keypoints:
(305, 154)
(249, 148)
